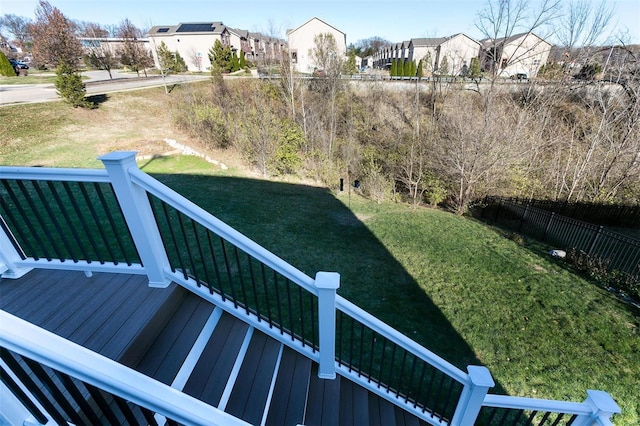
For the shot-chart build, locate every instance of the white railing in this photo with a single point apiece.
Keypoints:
(89, 367)
(131, 187)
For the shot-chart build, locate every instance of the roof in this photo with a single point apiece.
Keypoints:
(189, 27)
(316, 18)
(507, 40)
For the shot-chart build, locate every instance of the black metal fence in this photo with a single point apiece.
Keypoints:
(595, 213)
(620, 252)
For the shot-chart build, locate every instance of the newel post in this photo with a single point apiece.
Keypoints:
(602, 405)
(9, 256)
(138, 215)
(472, 397)
(327, 283)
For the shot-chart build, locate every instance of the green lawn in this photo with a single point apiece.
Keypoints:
(453, 284)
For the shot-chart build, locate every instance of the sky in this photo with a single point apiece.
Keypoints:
(359, 19)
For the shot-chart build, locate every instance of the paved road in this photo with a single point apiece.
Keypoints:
(98, 82)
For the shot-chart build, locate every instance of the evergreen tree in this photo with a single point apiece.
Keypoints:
(444, 66)
(414, 69)
(235, 63)
(70, 87)
(243, 61)
(220, 58)
(179, 65)
(406, 68)
(474, 68)
(5, 66)
(166, 58)
(420, 71)
(393, 70)
(350, 66)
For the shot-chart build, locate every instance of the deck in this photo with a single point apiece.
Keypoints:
(186, 342)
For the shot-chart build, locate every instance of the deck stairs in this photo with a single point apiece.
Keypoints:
(184, 341)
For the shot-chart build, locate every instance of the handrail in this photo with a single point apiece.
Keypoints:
(54, 174)
(517, 402)
(214, 224)
(400, 339)
(65, 356)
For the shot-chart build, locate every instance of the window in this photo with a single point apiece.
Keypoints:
(504, 63)
(294, 56)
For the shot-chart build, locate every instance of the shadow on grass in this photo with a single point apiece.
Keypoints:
(97, 100)
(312, 230)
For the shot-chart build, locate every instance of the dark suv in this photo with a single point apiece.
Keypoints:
(18, 65)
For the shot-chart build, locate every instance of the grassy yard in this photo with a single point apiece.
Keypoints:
(453, 284)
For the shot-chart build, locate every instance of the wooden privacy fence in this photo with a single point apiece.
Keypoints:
(622, 253)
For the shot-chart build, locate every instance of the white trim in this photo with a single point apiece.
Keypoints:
(44, 173)
(196, 350)
(274, 377)
(233, 376)
(83, 265)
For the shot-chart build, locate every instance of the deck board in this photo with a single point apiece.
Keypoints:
(290, 391)
(249, 395)
(210, 375)
(103, 312)
(169, 350)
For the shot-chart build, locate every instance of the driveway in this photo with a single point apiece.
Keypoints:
(97, 83)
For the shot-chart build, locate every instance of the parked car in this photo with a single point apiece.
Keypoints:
(18, 66)
(520, 76)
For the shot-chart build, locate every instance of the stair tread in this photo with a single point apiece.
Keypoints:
(169, 350)
(323, 404)
(290, 391)
(209, 377)
(354, 404)
(249, 395)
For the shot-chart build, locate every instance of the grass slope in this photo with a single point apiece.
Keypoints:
(454, 285)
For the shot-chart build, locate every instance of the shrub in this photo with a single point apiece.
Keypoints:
(597, 268)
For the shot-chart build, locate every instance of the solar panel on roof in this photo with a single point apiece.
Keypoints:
(195, 28)
(163, 30)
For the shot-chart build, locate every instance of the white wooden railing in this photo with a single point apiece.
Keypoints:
(132, 187)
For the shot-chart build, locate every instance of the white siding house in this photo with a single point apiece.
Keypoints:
(458, 49)
(521, 53)
(191, 40)
(301, 43)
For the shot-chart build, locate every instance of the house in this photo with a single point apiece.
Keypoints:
(458, 50)
(426, 50)
(125, 303)
(521, 53)
(112, 45)
(301, 43)
(192, 41)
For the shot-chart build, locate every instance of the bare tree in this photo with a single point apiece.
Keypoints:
(328, 62)
(18, 27)
(54, 38)
(133, 53)
(99, 53)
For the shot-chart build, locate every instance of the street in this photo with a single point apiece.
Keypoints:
(97, 83)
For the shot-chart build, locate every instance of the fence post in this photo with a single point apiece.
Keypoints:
(602, 405)
(472, 396)
(546, 228)
(327, 283)
(138, 215)
(9, 255)
(594, 241)
(524, 216)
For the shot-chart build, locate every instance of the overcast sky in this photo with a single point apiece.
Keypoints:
(359, 19)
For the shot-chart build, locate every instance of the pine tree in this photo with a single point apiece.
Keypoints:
(444, 66)
(235, 63)
(70, 87)
(393, 70)
(243, 61)
(420, 71)
(474, 68)
(406, 68)
(5, 66)
(220, 58)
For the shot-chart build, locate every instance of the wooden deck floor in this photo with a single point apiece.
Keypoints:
(156, 331)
